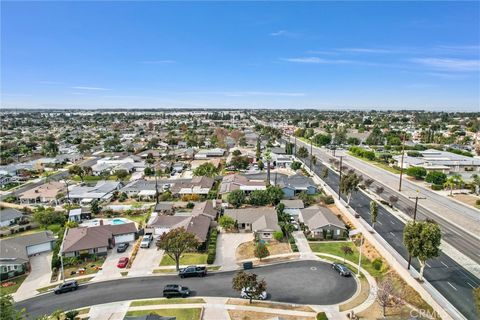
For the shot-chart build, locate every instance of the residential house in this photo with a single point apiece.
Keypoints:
(96, 240)
(262, 221)
(197, 185)
(199, 225)
(322, 223)
(210, 153)
(164, 208)
(79, 214)
(145, 189)
(293, 185)
(103, 190)
(293, 207)
(207, 208)
(10, 216)
(51, 192)
(240, 182)
(15, 252)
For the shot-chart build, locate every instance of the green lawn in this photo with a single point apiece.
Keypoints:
(186, 259)
(377, 163)
(180, 314)
(335, 249)
(138, 218)
(23, 233)
(165, 301)
(12, 289)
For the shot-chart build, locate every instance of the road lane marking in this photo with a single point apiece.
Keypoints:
(393, 235)
(470, 285)
(392, 222)
(379, 223)
(451, 285)
(443, 263)
(428, 265)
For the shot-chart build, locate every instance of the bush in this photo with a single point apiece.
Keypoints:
(436, 177)
(278, 235)
(377, 264)
(322, 316)
(190, 205)
(328, 200)
(212, 246)
(437, 187)
(294, 247)
(417, 172)
(477, 202)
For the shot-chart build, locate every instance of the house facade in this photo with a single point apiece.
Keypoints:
(322, 223)
(262, 221)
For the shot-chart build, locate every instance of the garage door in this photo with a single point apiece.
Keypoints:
(37, 248)
(125, 238)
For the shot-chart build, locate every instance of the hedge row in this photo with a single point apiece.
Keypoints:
(360, 152)
(212, 246)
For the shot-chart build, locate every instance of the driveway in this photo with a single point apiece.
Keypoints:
(39, 276)
(146, 261)
(109, 268)
(304, 282)
(227, 244)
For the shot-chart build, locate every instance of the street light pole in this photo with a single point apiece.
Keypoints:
(340, 181)
(360, 255)
(414, 219)
(401, 165)
(61, 256)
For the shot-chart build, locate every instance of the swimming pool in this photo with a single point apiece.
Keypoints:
(118, 221)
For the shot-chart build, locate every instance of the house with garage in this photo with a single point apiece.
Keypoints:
(322, 223)
(240, 182)
(210, 153)
(15, 252)
(10, 216)
(195, 186)
(103, 190)
(51, 192)
(199, 225)
(295, 184)
(262, 221)
(207, 208)
(97, 239)
(293, 207)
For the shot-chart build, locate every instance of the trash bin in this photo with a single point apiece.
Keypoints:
(247, 265)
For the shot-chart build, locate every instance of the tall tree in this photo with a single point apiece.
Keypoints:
(386, 296)
(236, 198)
(8, 311)
(373, 212)
(261, 251)
(249, 283)
(176, 242)
(268, 157)
(77, 171)
(422, 240)
(349, 184)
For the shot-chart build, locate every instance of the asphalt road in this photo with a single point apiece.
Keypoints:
(303, 282)
(453, 281)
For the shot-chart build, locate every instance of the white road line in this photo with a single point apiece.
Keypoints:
(391, 221)
(451, 285)
(379, 223)
(393, 235)
(428, 265)
(444, 263)
(470, 285)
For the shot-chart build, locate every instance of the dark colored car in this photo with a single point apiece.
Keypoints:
(122, 247)
(192, 271)
(66, 287)
(175, 290)
(341, 269)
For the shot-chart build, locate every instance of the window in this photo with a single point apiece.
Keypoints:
(338, 232)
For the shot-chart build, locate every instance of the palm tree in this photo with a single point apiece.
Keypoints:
(453, 181)
(268, 157)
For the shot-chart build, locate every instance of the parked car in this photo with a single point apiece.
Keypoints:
(192, 271)
(175, 290)
(341, 269)
(244, 294)
(67, 286)
(122, 247)
(146, 241)
(122, 262)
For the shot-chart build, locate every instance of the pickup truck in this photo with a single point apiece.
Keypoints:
(146, 240)
(192, 271)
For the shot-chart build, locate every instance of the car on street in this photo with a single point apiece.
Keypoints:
(192, 271)
(175, 290)
(246, 293)
(341, 269)
(66, 287)
(146, 240)
(122, 262)
(122, 247)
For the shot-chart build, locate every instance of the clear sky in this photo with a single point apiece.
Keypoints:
(378, 55)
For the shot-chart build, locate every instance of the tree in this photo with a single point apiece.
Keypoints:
(373, 212)
(226, 222)
(386, 297)
(296, 165)
(259, 198)
(302, 152)
(376, 137)
(236, 198)
(260, 165)
(207, 169)
(77, 171)
(346, 251)
(249, 282)
(236, 153)
(176, 242)
(325, 173)
(121, 174)
(95, 207)
(349, 184)
(268, 158)
(240, 162)
(422, 240)
(322, 139)
(8, 311)
(417, 172)
(453, 181)
(278, 235)
(149, 171)
(393, 199)
(436, 177)
(71, 315)
(275, 194)
(45, 217)
(261, 251)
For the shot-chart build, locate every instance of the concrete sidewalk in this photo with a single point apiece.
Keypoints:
(303, 246)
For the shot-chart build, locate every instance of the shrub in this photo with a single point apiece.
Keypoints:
(328, 200)
(437, 187)
(436, 177)
(212, 246)
(190, 205)
(477, 202)
(322, 316)
(294, 247)
(377, 264)
(417, 172)
(278, 235)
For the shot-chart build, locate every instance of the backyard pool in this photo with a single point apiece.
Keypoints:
(118, 221)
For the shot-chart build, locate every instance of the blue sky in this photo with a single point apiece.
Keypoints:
(379, 55)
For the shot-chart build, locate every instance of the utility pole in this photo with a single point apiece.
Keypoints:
(340, 180)
(360, 256)
(156, 187)
(401, 165)
(295, 147)
(414, 219)
(61, 255)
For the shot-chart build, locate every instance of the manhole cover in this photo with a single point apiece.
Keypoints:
(313, 268)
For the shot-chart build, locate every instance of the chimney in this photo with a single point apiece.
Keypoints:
(101, 222)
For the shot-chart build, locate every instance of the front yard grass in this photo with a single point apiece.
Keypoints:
(376, 163)
(246, 250)
(186, 259)
(180, 314)
(90, 266)
(262, 304)
(13, 288)
(335, 249)
(154, 302)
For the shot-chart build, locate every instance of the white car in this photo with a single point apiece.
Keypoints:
(147, 239)
(262, 296)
